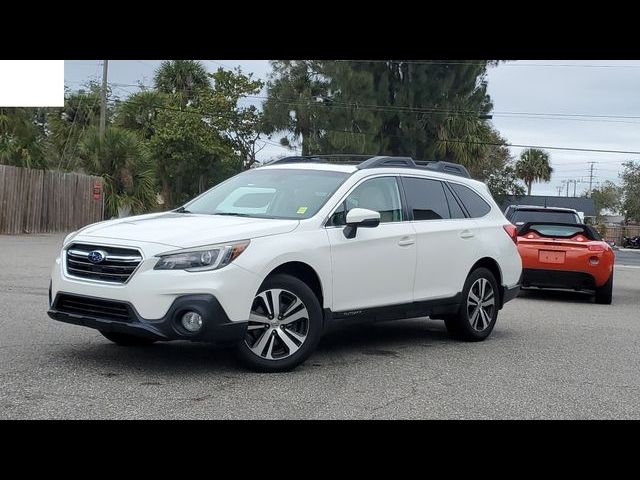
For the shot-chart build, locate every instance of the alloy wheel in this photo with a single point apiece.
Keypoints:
(481, 304)
(278, 324)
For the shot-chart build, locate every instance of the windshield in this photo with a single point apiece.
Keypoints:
(270, 193)
(520, 217)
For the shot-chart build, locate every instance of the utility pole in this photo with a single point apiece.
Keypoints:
(591, 177)
(559, 187)
(103, 100)
(575, 182)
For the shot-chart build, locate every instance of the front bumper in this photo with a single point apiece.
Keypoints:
(216, 325)
(152, 292)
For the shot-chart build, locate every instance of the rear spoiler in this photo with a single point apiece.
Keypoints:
(588, 231)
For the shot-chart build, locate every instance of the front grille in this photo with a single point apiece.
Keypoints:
(117, 266)
(93, 307)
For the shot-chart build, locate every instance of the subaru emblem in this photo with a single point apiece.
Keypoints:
(96, 256)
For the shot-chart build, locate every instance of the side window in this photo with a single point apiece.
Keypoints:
(426, 198)
(454, 206)
(474, 203)
(338, 218)
(378, 194)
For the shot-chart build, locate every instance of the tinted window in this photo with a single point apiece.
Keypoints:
(426, 198)
(454, 206)
(474, 203)
(556, 230)
(524, 216)
(378, 194)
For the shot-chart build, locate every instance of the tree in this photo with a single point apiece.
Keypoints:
(504, 182)
(423, 109)
(184, 79)
(242, 125)
(127, 172)
(294, 103)
(66, 125)
(607, 197)
(139, 111)
(533, 166)
(631, 188)
(495, 166)
(22, 137)
(187, 146)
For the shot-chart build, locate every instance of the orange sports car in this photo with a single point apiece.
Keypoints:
(558, 251)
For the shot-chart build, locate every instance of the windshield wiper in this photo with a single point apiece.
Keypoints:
(181, 210)
(233, 214)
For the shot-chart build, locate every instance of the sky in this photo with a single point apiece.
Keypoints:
(585, 104)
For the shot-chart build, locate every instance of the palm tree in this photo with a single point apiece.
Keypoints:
(22, 139)
(533, 166)
(183, 78)
(128, 174)
(138, 112)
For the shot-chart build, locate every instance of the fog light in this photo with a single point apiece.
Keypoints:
(192, 322)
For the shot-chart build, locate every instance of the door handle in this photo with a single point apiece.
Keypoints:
(466, 234)
(406, 241)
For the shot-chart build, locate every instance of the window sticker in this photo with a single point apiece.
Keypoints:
(302, 210)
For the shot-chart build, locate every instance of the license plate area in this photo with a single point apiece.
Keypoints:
(551, 256)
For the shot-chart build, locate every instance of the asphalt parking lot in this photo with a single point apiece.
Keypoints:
(551, 355)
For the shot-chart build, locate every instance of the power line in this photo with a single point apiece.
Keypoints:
(438, 62)
(573, 149)
(515, 145)
(307, 101)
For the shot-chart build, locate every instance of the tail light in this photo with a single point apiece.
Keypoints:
(597, 248)
(512, 231)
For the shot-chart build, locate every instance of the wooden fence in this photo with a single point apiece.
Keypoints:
(43, 201)
(615, 233)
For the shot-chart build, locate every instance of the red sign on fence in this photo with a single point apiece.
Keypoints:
(97, 191)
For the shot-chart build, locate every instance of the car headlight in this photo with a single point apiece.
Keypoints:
(201, 259)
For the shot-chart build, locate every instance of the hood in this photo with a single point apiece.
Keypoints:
(185, 230)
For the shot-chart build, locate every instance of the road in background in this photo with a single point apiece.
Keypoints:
(628, 256)
(551, 355)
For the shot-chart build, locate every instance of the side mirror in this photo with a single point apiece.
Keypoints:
(360, 218)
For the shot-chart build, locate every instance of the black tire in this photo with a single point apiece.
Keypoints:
(125, 340)
(310, 325)
(604, 294)
(460, 325)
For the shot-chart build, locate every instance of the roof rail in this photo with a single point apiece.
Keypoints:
(445, 167)
(368, 161)
(333, 158)
(377, 162)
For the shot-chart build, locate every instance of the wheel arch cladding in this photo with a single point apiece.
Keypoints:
(304, 272)
(491, 265)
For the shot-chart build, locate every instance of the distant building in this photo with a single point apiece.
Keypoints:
(584, 206)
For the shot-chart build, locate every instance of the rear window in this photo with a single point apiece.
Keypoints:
(561, 231)
(474, 203)
(520, 217)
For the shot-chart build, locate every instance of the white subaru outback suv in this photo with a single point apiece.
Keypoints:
(271, 258)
